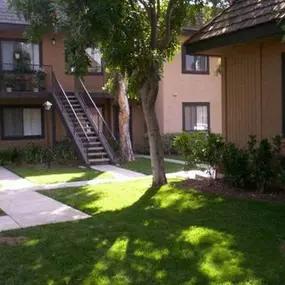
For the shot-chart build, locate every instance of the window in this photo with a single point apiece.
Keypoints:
(22, 123)
(195, 64)
(95, 58)
(19, 54)
(196, 117)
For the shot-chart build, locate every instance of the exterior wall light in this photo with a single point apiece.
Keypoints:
(47, 105)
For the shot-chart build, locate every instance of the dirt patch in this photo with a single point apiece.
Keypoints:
(12, 240)
(221, 188)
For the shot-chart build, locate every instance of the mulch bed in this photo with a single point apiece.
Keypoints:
(219, 187)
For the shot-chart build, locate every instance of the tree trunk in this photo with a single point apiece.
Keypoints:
(126, 149)
(148, 95)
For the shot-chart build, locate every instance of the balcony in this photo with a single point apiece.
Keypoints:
(19, 80)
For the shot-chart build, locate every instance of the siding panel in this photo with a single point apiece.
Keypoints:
(243, 95)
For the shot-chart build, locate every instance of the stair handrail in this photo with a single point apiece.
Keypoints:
(65, 116)
(94, 105)
(60, 86)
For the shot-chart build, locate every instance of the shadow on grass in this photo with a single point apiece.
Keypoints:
(168, 236)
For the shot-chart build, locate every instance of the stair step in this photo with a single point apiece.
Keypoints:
(74, 105)
(92, 143)
(95, 148)
(97, 154)
(91, 134)
(99, 160)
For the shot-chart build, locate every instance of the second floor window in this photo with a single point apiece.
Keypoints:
(95, 58)
(19, 55)
(195, 64)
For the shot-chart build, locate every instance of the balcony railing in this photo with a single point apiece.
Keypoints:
(25, 78)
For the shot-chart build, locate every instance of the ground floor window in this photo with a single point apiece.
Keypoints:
(19, 122)
(196, 117)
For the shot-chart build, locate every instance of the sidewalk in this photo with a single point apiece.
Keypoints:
(28, 209)
(165, 159)
(12, 181)
(118, 172)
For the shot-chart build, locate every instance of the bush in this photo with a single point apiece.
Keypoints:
(167, 144)
(235, 165)
(64, 151)
(198, 148)
(6, 156)
(36, 154)
(256, 167)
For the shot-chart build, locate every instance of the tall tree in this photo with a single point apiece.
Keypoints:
(137, 37)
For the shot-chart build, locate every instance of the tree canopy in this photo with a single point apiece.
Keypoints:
(137, 37)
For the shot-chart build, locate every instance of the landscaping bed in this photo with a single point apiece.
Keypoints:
(143, 165)
(219, 187)
(40, 174)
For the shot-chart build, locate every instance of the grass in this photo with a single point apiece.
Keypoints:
(41, 175)
(139, 235)
(175, 156)
(143, 165)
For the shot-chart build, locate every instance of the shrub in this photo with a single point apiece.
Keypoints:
(198, 148)
(6, 156)
(64, 151)
(34, 154)
(256, 167)
(167, 144)
(260, 163)
(235, 165)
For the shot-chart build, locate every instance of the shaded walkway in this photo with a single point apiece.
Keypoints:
(28, 208)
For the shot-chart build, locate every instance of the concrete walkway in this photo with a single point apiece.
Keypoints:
(118, 172)
(12, 181)
(165, 159)
(28, 209)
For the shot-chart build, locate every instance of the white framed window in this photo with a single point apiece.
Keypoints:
(196, 117)
(19, 122)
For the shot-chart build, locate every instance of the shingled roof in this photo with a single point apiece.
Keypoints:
(241, 15)
(7, 16)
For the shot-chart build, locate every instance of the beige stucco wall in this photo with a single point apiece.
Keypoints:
(53, 55)
(176, 88)
(252, 90)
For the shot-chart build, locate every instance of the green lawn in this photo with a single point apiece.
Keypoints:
(175, 156)
(144, 236)
(41, 175)
(143, 165)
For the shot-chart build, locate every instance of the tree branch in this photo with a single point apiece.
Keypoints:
(158, 8)
(153, 24)
(167, 38)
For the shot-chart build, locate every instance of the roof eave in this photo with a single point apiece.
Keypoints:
(13, 26)
(259, 31)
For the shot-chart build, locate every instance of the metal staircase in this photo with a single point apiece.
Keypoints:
(90, 141)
